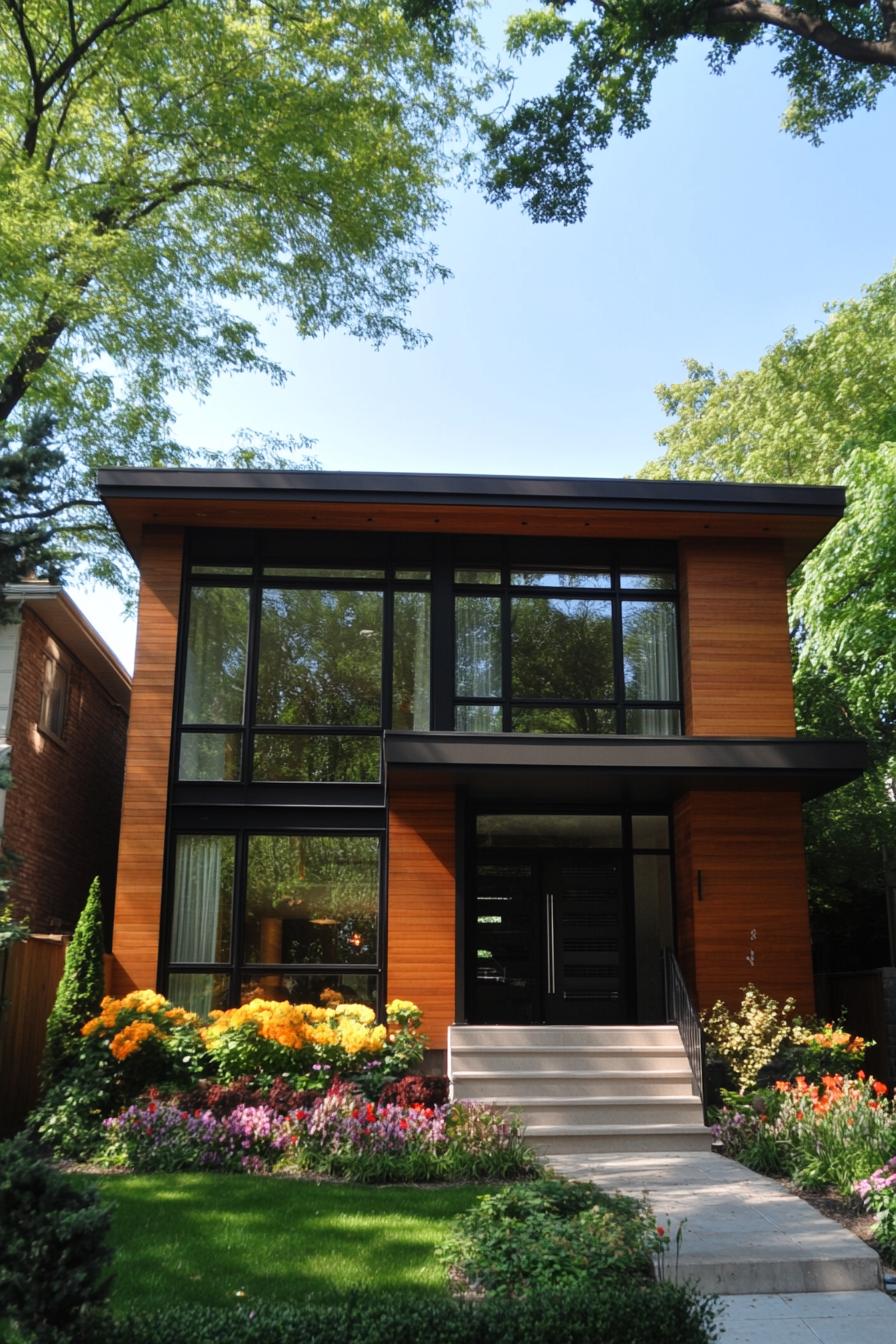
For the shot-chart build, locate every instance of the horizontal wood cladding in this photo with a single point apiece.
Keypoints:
(735, 640)
(798, 532)
(741, 897)
(421, 905)
(142, 844)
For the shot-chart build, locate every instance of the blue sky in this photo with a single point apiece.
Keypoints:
(706, 236)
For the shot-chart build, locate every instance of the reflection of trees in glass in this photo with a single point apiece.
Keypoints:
(568, 719)
(561, 649)
(319, 895)
(216, 655)
(561, 578)
(649, 650)
(320, 657)
(300, 757)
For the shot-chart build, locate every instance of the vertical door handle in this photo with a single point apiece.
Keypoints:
(552, 970)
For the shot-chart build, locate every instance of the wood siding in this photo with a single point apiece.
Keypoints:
(138, 896)
(421, 905)
(735, 640)
(741, 897)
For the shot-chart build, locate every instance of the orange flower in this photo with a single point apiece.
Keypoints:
(879, 1088)
(861, 1075)
(782, 1086)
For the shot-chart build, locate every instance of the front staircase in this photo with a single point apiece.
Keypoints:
(584, 1089)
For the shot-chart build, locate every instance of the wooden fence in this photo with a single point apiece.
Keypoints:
(29, 975)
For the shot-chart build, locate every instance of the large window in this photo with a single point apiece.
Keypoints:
(292, 672)
(280, 916)
(566, 650)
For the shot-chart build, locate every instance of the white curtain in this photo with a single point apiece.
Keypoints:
(197, 898)
(478, 630)
(651, 651)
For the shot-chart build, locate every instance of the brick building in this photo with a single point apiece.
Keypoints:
(64, 701)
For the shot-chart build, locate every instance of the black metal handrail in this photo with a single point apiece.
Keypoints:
(681, 1012)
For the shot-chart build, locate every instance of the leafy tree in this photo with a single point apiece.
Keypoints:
(822, 408)
(30, 538)
(172, 170)
(80, 989)
(835, 59)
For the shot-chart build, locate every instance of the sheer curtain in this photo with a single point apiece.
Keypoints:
(420, 703)
(651, 651)
(197, 899)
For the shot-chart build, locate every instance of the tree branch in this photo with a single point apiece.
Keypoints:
(17, 10)
(816, 30)
(117, 18)
(52, 510)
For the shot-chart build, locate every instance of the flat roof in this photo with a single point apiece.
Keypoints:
(796, 515)
(421, 487)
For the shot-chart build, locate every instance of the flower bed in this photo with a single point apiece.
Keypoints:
(317, 1088)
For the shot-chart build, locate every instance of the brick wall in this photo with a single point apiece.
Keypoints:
(62, 812)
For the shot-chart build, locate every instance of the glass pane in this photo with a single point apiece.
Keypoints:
(284, 758)
(647, 578)
(216, 655)
(478, 719)
(561, 719)
(199, 992)
(410, 661)
(304, 988)
(653, 722)
(650, 650)
(321, 572)
(312, 898)
(478, 644)
(562, 578)
(477, 576)
(203, 898)
(548, 831)
(412, 574)
(561, 649)
(653, 931)
(210, 756)
(650, 832)
(320, 657)
(221, 569)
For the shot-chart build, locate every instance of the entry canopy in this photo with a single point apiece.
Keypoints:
(639, 770)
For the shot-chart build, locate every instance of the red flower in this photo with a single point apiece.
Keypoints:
(151, 1108)
(402, 1124)
(661, 1232)
(879, 1088)
(861, 1075)
(300, 1115)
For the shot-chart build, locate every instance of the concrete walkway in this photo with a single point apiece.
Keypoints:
(786, 1274)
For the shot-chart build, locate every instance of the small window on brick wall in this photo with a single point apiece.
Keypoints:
(54, 697)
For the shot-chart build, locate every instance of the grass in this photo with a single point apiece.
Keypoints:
(212, 1239)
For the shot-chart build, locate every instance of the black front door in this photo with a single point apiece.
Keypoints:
(548, 939)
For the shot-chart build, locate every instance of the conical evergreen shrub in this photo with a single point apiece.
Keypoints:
(80, 990)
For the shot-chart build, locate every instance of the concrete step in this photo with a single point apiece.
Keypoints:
(761, 1270)
(588, 1059)
(507, 1085)
(602, 1111)
(642, 1138)
(547, 1038)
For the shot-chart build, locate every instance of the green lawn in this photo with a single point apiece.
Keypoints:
(215, 1239)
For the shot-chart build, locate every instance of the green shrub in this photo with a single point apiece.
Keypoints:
(54, 1260)
(550, 1234)
(80, 990)
(633, 1312)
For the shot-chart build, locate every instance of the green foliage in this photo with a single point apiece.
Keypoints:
(80, 990)
(168, 168)
(748, 1038)
(549, 1235)
(618, 1313)
(820, 409)
(54, 1257)
(29, 542)
(12, 930)
(878, 1193)
(541, 147)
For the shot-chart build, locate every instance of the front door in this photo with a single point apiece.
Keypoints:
(548, 937)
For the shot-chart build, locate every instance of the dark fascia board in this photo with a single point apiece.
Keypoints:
(808, 765)
(424, 488)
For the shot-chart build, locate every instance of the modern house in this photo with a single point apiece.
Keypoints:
(64, 700)
(491, 744)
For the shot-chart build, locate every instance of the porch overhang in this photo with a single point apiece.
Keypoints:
(640, 770)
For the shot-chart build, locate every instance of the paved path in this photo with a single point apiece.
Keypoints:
(786, 1274)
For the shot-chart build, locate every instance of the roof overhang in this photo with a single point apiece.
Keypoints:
(644, 770)
(64, 619)
(797, 516)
